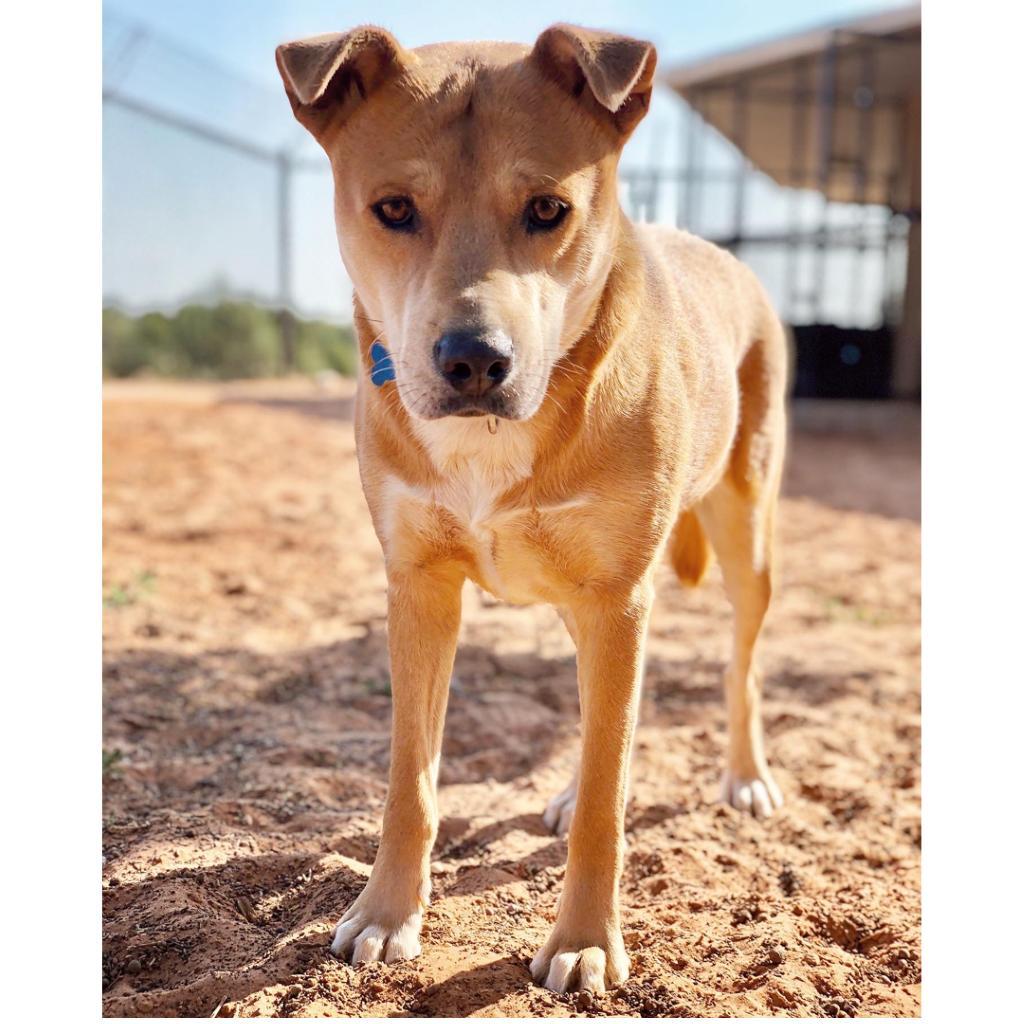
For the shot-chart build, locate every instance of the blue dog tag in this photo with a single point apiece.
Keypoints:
(383, 368)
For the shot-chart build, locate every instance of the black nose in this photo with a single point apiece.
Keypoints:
(473, 363)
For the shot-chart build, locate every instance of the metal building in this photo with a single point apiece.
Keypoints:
(834, 117)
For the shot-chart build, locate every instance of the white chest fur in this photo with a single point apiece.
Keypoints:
(475, 468)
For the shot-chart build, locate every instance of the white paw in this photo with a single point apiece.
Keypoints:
(363, 935)
(575, 967)
(559, 811)
(754, 794)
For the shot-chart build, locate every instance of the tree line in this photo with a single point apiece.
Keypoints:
(229, 340)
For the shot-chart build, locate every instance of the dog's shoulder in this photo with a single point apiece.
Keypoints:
(694, 261)
(705, 285)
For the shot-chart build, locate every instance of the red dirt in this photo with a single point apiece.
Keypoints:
(246, 695)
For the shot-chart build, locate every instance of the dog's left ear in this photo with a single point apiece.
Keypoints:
(615, 71)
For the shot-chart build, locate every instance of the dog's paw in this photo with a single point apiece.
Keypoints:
(363, 935)
(567, 966)
(755, 794)
(559, 811)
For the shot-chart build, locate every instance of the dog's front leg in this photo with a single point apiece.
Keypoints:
(585, 950)
(383, 923)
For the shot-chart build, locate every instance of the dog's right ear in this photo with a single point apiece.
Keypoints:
(325, 77)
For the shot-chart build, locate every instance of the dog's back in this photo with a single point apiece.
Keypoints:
(718, 295)
(719, 310)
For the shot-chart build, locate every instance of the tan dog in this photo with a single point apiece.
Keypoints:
(571, 395)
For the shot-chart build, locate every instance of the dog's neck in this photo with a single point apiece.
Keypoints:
(583, 307)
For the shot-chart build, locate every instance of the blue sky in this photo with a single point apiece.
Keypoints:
(183, 218)
(243, 33)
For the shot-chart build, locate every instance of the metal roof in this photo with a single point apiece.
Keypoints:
(836, 108)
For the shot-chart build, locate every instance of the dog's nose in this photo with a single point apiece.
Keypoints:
(471, 363)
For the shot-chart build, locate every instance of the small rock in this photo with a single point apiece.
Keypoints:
(789, 882)
(245, 908)
(134, 966)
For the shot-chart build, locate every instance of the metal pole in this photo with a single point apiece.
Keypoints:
(864, 99)
(286, 318)
(739, 99)
(684, 155)
(897, 127)
(652, 197)
(798, 173)
(693, 161)
(826, 112)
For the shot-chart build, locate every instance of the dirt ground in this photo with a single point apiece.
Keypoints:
(246, 741)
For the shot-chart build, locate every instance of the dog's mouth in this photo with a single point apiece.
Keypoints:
(496, 404)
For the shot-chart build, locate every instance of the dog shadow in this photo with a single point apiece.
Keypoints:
(473, 990)
(254, 920)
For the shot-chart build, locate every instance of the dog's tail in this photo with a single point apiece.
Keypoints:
(689, 550)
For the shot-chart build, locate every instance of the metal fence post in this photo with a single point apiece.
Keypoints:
(826, 112)
(286, 317)
(694, 162)
(739, 101)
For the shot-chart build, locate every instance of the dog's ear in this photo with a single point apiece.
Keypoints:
(326, 76)
(616, 71)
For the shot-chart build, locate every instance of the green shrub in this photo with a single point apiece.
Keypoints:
(228, 341)
(323, 346)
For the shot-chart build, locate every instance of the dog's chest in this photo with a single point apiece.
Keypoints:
(510, 549)
(470, 499)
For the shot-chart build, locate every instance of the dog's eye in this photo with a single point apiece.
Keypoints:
(396, 212)
(545, 212)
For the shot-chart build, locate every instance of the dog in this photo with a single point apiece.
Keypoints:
(550, 398)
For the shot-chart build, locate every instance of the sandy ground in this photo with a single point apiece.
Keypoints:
(246, 725)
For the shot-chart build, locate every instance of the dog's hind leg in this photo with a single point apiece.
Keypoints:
(738, 518)
(559, 811)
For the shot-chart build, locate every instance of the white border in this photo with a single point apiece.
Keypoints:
(974, 404)
(51, 577)
(973, 235)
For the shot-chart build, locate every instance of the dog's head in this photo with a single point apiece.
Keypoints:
(475, 198)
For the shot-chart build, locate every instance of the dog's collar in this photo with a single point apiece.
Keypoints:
(383, 369)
